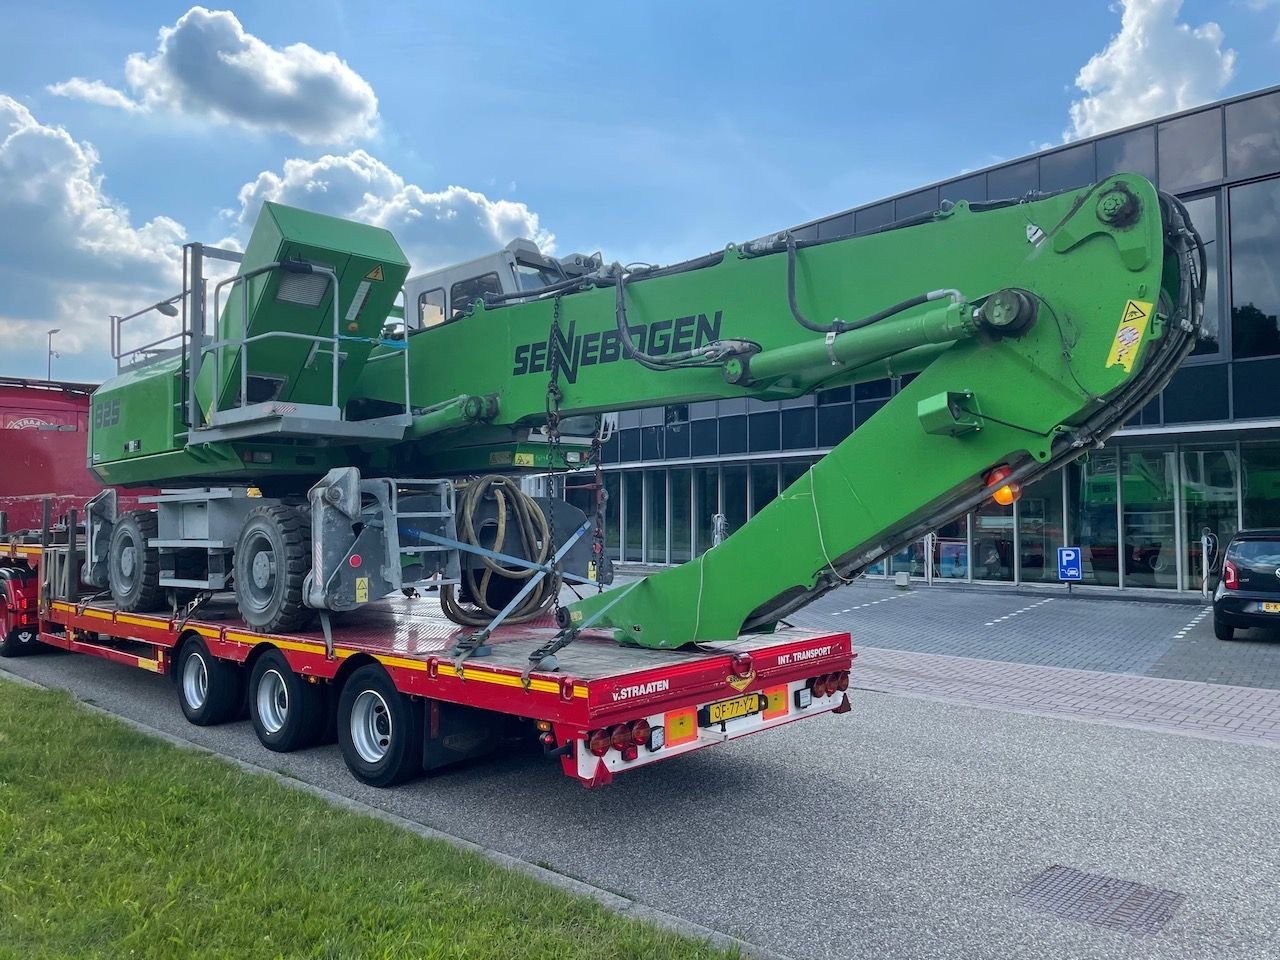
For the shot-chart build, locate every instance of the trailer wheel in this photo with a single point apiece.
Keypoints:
(208, 688)
(133, 567)
(379, 729)
(272, 558)
(287, 712)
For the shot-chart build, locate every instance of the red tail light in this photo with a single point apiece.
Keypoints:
(599, 742)
(640, 733)
(820, 687)
(1230, 578)
(843, 683)
(620, 736)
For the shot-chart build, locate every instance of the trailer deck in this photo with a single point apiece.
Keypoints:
(696, 696)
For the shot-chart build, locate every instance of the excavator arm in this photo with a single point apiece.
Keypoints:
(1035, 329)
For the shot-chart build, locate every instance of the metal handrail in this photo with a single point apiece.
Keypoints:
(118, 353)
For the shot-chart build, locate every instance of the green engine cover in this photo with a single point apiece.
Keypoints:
(370, 267)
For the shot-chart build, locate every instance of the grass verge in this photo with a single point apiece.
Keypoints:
(113, 844)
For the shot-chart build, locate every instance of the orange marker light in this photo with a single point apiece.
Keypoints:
(1003, 493)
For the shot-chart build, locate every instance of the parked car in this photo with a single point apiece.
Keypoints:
(1248, 595)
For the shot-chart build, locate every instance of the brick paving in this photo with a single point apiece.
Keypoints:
(1219, 711)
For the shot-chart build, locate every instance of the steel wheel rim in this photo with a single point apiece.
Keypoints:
(273, 701)
(260, 585)
(371, 728)
(195, 681)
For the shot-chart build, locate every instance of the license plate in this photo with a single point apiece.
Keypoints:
(1271, 608)
(730, 709)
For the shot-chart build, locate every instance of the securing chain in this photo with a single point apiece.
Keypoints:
(554, 456)
(597, 536)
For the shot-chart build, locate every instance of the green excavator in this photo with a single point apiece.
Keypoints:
(319, 447)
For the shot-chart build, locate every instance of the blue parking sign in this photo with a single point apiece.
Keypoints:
(1069, 564)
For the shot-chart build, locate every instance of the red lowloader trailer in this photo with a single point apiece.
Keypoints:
(387, 685)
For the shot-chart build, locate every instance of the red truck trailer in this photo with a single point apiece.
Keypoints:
(387, 686)
(44, 426)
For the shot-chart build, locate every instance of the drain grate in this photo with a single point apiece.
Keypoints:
(1105, 901)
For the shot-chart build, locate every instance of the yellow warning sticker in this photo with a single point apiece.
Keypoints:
(362, 589)
(375, 273)
(524, 460)
(1133, 325)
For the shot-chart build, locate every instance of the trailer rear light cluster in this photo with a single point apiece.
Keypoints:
(829, 684)
(626, 738)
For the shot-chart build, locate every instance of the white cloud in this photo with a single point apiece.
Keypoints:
(434, 229)
(1154, 65)
(207, 65)
(69, 254)
(93, 91)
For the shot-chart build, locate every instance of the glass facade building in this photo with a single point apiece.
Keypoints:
(1205, 455)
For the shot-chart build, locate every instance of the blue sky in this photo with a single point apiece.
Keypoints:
(651, 132)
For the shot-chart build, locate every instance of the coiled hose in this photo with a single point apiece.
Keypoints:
(491, 586)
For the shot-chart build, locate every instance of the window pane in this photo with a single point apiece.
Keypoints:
(763, 435)
(973, 189)
(834, 423)
(1261, 485)
(993, 542)
(656, 481)
(733, 435)
(1149, 554)
(431, 308)
(633, 504)
(1010, 183)
(1253, 386)
(677, 440)
(1253, 136)
(651, 443)
(1132, 152)
(873, 217)
(629, 445)
(1208, 504)
(463, 293)
(703, 438)
(1197, 394)
(1204, 216)
(951, 550)
(793, 470)
(1255, 269)
(1190, 151)
(840, 226)
(915, 204)
(735, 497)
(1066, 169)
(873, 390)
(681, 535)
(1040, 529)
(1091, 496)
(798, 432)
(706, 482)
(613, 487)
(764, 485)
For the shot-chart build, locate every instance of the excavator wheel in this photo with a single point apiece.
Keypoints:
(272, 557)
(133, 567)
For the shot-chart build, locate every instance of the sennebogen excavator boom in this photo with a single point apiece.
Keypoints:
(1033, 330)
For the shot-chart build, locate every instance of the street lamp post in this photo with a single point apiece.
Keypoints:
(51, 354)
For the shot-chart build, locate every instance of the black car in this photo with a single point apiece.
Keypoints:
(1248, 594)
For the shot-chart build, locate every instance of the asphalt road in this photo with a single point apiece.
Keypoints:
(901, 830)
(1146, 638)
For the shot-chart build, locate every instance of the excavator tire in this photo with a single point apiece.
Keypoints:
(272, 558)
(133, 567)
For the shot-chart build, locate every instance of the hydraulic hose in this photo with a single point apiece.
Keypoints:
(519, 519)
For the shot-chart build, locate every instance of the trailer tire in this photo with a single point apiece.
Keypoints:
(133, 567)
(273, 556)
(209, 689)
(379, 729)
(287, 712)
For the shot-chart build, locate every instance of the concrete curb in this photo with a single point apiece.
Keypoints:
(612, 901)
